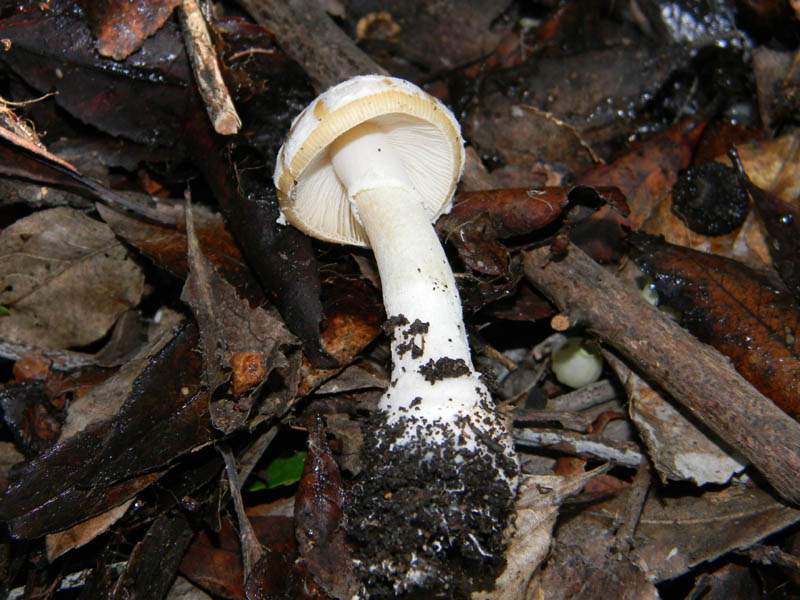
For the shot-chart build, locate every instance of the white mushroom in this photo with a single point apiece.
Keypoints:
(372, 162)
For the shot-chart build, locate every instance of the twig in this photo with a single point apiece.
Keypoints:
(251, 547)
(585, 397)
(693, 374)
(621, 453)
(629, 519)
(209, 80)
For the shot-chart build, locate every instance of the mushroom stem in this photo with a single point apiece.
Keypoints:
(419, 290)
(438, 430)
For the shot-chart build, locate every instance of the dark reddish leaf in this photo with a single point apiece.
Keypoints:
(31, 417)
(478, 219)
(154, 561)
(215, 562)
(525, 305)
(100, 91)
(278, 576)
(650, 170)
(782, 222)
(319, 519)
(735, 309)
(121, 26)
(165, 416)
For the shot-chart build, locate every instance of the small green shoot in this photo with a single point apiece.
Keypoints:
(283, 470)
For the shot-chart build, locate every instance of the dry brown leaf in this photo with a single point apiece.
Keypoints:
(673, 535)
(676, 534)
(229, 327)
(81, 534)
(678, 450)
(538, 502)
(65, 278)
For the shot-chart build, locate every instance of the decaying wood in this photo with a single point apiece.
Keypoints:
(306, 33)
(693, 374)
(209, 80)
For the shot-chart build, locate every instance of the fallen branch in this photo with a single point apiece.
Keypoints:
(693, 374)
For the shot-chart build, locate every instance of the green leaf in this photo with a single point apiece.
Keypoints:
(4, 312)
(283, 470)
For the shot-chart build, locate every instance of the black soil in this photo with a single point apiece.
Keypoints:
(422, 526)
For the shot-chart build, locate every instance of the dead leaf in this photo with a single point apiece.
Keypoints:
(778, 207)
(121, 26)
(672, 536)
(539, 499)
(479, 219)
(647, 172)
(733, 308)
(319, 520)
(65, 278)
(215, 562)
(677, 534)
(104, 399)
(155, 560)
(81, 534)
(542, 115)
(678, 450)
(353, 318)
(433, 40)
(229, 327)
(165, 416)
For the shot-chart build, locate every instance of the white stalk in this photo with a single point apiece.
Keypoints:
(419, 292)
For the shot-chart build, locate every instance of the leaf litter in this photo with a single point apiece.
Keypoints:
(148, 345)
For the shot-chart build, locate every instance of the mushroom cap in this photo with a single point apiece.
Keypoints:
(423, 132)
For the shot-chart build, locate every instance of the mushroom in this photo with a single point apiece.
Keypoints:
(373, 162)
